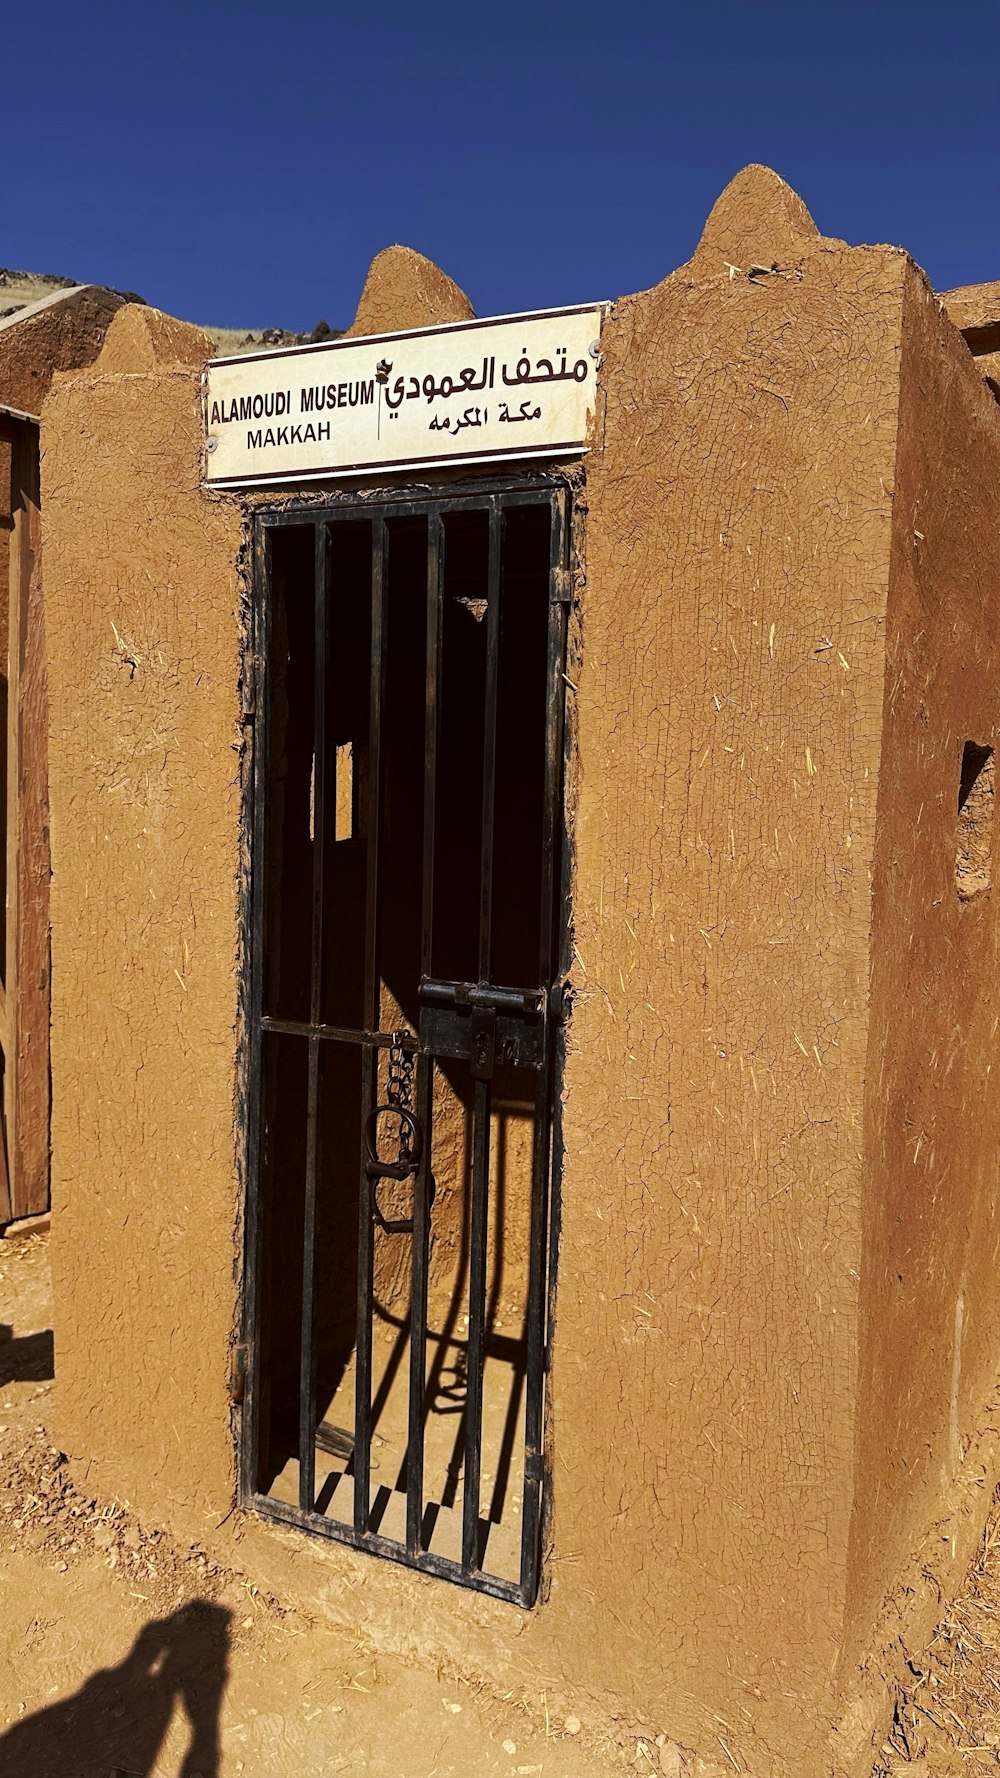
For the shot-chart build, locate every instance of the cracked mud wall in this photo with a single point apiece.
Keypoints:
(728, 722)
(143, 624)
(63, 332)
(60, 333)
(930, 1298)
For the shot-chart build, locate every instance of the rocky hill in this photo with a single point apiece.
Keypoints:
(18, 289)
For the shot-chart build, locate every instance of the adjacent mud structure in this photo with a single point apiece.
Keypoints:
(62, 331)
(771, 1355)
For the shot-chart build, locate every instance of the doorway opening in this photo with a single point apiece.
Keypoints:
(409, 930)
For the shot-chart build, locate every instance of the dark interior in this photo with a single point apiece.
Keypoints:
(292, 819)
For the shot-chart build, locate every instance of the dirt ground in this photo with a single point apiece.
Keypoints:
(948, 1723)
(121, 1653)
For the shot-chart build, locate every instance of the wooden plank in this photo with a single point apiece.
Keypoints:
(9, 432)
(28, 965)
(5, 1207)
(4, 1042)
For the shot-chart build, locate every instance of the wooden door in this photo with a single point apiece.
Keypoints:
(24, 997)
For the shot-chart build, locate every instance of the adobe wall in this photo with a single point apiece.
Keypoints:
(975, 309)
(727, 723)
(59, 332)
(931, 1283)
(143, 620)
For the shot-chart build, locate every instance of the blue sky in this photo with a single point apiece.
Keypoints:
(240, 164)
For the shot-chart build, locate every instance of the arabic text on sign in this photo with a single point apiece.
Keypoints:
(409, 398)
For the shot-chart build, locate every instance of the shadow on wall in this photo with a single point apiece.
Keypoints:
(28, 1359)
(117, 1721)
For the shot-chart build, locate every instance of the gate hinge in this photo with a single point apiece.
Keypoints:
(560, 1001)
(534, 1466)
(238, 1376)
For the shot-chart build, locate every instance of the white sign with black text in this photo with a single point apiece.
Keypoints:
(520, 386)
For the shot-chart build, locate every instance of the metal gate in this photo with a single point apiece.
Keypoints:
(407, 954)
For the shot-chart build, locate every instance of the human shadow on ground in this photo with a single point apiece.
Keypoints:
(118, 1719)
(28, 1359)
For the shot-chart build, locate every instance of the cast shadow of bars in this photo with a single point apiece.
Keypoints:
(445, 1392)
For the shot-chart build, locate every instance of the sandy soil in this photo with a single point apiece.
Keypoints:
(122, 1653)
(947, 1724)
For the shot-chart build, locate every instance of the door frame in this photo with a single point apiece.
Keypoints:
(533, 488)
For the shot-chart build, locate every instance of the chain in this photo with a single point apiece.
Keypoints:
(399, 1088)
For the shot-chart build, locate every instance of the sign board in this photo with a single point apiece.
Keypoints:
(520, 386)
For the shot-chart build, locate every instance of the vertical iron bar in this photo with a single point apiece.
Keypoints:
(542, 1140)
(481, 1113)
(562, 949)
(418, 1313)
(425, 1072)
(372, 1014)
(307, 1357)
(555, 701)
(259, 707)
(490, 740)
(435, 606)
(477, 1312)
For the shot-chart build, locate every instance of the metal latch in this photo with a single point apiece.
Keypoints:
(482, 1056)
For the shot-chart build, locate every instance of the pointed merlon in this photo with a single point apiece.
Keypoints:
(404, 290)
(143, 339)
(757, 220)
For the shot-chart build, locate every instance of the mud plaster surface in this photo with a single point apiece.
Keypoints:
(404, 290)
(932, 1125)
(973, 305)
(62, 335)
(730, 697)
(144, 629)
(728, 727)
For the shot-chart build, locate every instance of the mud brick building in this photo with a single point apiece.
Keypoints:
(61, 331)
(625, 822)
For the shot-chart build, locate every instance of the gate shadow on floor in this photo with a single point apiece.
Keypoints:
(118, 1719)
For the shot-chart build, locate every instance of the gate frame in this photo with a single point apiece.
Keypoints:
(302, 509)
